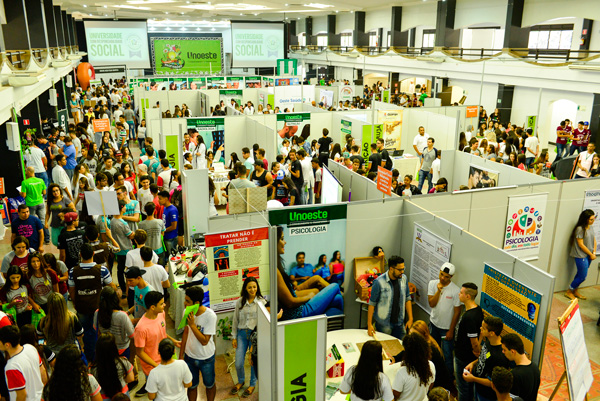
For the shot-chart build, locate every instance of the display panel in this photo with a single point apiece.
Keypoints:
(257, 44)
(331, 188)
(117, 42)
(187, 56)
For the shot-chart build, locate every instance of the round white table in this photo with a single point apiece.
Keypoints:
(355, 336)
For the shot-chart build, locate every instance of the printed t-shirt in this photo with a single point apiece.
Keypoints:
(170, 215)
(207, 324)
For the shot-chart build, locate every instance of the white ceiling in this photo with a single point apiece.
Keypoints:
(273, 10)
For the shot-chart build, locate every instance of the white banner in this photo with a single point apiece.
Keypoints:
(429, 253)
(592, 201)
(346, 93)
(524, 225)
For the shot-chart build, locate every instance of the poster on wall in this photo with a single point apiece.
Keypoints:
(531, 121)
(197, 83)
(429, 253)
(231, 257)
(480, 178)
(235, 82)
(524, 225)
(370, 135)
(346, 93)
(592, 201)
(319, 232)
(326, 97)
(287, 81)
(231, 94)
(178, 84)
(286, 97)
(215, 82)
(187, 56)
(158, 84)
(391, 120)
(345, 128)
(516, 304)
(212, 131)
(253, 82)
(172, 149)
(291, 124)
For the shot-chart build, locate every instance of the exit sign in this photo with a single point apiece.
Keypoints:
(25, 122)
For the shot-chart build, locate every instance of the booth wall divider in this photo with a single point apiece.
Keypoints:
(235, 139)
(438, 126)
(468, 254)
(355, 186)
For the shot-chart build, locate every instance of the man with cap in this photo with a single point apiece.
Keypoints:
(442, 295)
(141, 289)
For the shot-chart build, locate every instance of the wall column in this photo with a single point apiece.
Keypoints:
(397, 37)
(15, 31)
(445, 34)
(360, 38)
(515, 36)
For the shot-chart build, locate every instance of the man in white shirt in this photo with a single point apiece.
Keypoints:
(532, 148)
(420, 141)
(60, 177)
(35, 157)
(584, 161)
(442, 295)
(436, 167)
(76, 142)
(309, 178)
(134, 258)
(249, 110)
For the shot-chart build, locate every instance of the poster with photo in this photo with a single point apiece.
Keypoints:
(346, 93)
(253, 82)
(317, 231)
(215, 82)
(391, 121)
(516, 304)
(227, 95)
(287, 81)
(230, 258)
(212, 131)
(524, 225)
(235, 82)
(325, 97)
(291, 124)
(592, 201)
(158, 84)
(481, 178)
(197, 83)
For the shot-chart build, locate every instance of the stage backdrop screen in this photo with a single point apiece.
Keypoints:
(187, 56)
(117, 42)
(257, 44)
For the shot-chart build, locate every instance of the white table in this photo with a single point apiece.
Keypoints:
(406, 166)
(355, 336)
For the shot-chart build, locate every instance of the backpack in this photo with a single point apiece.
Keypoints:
(177, 201)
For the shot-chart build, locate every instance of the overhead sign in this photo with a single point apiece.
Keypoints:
(101, 125)
(187, 56)
(472, 111)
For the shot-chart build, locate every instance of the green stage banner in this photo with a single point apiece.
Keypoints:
(187, 56)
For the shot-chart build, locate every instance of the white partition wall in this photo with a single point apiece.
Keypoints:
(438, 126)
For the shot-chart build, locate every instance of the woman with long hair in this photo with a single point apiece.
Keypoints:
(366, 380)
(82, 170)
(244, 321)
(291, 191)
(110, 318)
(111, 370)
(129, 175)
(128, 158)
(322, 269)
(28, 336)
(303, 303)
(462, 141)
(583, 250)
(82, 187)
(60, 327)
(17, 293)
(336, 268)
(42, 280)
(58, 205)
(212, 192)
(336, 152)
(233, 160)
(199, 152)
(19, 256)
(70, 380)
(417, 373)
(60, 268)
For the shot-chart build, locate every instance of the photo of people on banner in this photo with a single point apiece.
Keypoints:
(209, 132)
(480, 178)
(289, 125)
(311, 259)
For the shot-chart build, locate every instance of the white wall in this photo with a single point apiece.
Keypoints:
(489, 97)
(319, 24)
(419, 14)
(379, 19)
(595, 40)
(482, 38)
(342, 73)
(469, 12)
(344, 22)
(536, 11)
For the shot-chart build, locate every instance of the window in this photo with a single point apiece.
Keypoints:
(322, 40)
(346, 40)
(373, 39)
(551, 37)
(302, 39)
(428, 38)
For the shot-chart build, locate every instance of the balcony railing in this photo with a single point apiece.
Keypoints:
(18, 59)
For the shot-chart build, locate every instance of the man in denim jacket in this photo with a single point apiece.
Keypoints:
(389, 301)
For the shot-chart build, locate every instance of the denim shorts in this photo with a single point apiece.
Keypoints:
(206, 366)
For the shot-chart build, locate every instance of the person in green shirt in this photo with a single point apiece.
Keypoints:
(33, 189)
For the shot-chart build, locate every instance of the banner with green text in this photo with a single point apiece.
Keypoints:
(187, 56)
(290, 124)
(212, 131)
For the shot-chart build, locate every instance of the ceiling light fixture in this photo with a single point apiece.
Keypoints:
(318, 5)
(105, 6)
(85, 5)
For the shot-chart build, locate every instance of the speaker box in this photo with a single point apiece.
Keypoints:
(13, 139)
(52, 97)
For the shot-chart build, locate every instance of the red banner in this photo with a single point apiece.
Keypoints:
(236, 237)
(384, 180)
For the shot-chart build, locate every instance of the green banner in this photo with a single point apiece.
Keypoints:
(187, 56)
(531, 120)
(296, 118)
(368, 139)
(386, 96)
(172, 142)
(63, 120)
(300, 375)
(323, 214)
(346, 129)
(197, 83)
(235, 82)
(212, 131)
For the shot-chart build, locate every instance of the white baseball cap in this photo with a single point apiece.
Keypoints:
(448, 268)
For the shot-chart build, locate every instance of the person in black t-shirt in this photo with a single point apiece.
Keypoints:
(491, 355)
(466, 339)
(526, 375)
(324, 147)
(355, 155)
(374, 159)
(296, 173)
(70, 240)
(385, 156)
(502, 381)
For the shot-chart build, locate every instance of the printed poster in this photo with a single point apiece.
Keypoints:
(369, 136)
(212, 131)
(524, 224)
(325, 97)
(517, 305)
(172, 149)
(215, 82)
(235, 82)
(346, 93)
(319, 232)
(253, 82)
(187, 56)
(592, 201)
(480, 178)
(230, 258)
(197, 83)
(346, 129)
(227, 94)
(391, 120)
(290, 124)
(429, 253)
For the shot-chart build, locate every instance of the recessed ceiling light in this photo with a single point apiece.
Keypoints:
(187, 2)
(352, 12)
(166, 12)
(213, 29)
(85, 5)
(241, 13)
(286, 5)
(105, 6)
(318, 5)
(167, 29)
(198, 29)
(255, 13)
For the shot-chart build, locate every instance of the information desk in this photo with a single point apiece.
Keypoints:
(406, 166)
(356, 336)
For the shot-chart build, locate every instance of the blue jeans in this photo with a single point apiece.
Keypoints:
(398, 331)
(466, 390)
(243, 343)
(170, 244)
(40, 212)
(446, 346)
(69, 172)
(131, 129)
(423, 174)
(560, 149)
(89, 335)
(328, 301)
(529, 161)
(576, 147)
(583, 264)
(206, 366)
(141, 142)
(43, 176)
